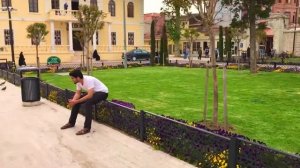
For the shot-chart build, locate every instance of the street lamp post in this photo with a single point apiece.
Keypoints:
(124, 29)
(9, 9)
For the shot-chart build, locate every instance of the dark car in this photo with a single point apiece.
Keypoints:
(137, 54)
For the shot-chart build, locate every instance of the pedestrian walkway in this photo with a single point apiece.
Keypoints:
(30, 137)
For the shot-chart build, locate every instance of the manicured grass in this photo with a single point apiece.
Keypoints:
(264, 106)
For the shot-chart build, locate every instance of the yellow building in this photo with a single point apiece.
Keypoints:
(61, 24)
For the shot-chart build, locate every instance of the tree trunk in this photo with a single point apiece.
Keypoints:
(152, 56)
(225, 98)
(177, 48)
(91, 65)
(215, 79)
(191, 52)
(252, 41)
(82, 58)
(87, 58)
(238, 54)
(177, 26)
(205, 93)
(37, 59)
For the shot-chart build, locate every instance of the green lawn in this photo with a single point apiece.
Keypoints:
(265, 106)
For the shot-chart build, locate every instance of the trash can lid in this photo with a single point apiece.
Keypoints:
(20, 70)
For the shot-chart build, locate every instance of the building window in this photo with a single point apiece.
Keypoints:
(55, 4)
(112, 8)
(97, 39)
(186, 44)
(7, 37)
(196, 46)
(113, 38)
(170, 49)
(293, 18)
(33, 5)
(57, 37)
(4, 3)
(131, 38)
(94, 3)
(130, 9)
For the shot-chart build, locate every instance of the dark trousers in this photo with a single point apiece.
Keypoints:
(97, 97)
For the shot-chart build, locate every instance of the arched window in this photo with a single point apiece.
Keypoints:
(130, 9)
(112, 8)
(94, 3)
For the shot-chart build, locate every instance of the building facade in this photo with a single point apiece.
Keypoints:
(287, 7)
(58, 15)
(159, 20)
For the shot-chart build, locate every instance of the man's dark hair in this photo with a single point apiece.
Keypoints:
(76, 73)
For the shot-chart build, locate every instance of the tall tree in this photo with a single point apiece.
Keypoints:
(208, 11)
(251, 10)
(90, 19)
(37, 32)
(171, 10)
(152, 43)
(228, 44)
(190, 34)
(221, 43)
(164, 55)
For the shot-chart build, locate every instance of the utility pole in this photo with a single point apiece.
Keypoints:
(124, 29)
(296, 19)
(10, 32)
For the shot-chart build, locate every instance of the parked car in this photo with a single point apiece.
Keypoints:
(137, 54)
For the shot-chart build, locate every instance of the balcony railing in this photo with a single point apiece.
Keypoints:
(62, 15)
(31, 48)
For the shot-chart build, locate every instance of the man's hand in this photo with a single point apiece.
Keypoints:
(72, 102)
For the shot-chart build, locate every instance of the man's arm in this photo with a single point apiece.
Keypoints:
(77, 95)
(89, 95)
(76, 99)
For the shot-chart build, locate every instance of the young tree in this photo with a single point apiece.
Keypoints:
(37, 32)
(208, 11)
(171, 10)
(251, 11)
(152, 43)
(221, 42)
(90, 19)
(190, 34)
(238, 34)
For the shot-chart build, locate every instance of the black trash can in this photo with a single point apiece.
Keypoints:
(30, 86)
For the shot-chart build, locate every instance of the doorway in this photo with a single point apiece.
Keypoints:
(76, 43)
(75, 5)
(204, 45)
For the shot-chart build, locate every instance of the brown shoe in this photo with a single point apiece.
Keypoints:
(83, 131)
(66, 126)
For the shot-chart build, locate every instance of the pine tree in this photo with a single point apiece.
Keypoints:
(152, 43)
(221, 43)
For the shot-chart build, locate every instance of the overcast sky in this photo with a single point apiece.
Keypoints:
(152, 6)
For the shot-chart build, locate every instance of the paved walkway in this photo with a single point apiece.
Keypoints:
(30, 137)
